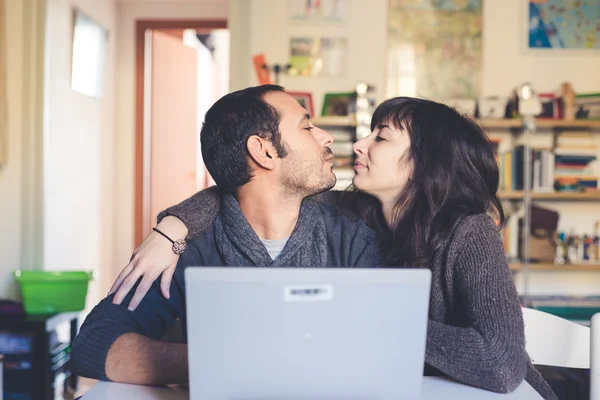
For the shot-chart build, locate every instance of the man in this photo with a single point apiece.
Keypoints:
(261, 148)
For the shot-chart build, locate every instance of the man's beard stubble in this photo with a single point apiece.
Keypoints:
(298, 175)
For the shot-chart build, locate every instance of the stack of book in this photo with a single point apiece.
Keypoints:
(512, 174)
(343, 162)
(566, 168)
(573, 155)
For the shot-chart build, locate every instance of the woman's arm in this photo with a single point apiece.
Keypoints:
(196, 212)
(154, 256)
(487, 348)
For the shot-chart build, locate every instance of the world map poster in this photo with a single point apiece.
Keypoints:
(434, 48)
(564, 24)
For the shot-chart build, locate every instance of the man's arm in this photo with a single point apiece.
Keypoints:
(134, 358)
(121, 345)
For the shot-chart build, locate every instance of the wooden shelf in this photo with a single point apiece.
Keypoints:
(334, 121)
(349, 121)
(500, 123)
(578, 267)
(578, 123)
(541, 123)
(555, 196)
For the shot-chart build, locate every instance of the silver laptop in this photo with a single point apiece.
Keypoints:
(297, 333)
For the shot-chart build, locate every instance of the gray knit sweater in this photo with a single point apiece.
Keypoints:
(322, 237)
(475, 333)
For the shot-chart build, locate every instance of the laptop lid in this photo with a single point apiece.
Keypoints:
(297, 333)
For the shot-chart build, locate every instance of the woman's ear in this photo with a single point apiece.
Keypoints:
(262, 152)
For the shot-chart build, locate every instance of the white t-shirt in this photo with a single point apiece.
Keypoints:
(274, 247)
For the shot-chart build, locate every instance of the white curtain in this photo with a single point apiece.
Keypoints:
(3, 95)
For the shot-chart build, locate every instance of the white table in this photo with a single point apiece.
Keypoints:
(433, 388)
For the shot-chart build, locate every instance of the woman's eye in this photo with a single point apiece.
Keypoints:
(309, 128)
(379, 139)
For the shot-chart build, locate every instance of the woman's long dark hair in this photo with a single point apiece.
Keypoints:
(455, 174)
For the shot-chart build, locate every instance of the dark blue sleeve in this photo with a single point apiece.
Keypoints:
(364, 252)
(351, 242)
(107, 322)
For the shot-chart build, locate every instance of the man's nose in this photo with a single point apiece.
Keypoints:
(323, 137)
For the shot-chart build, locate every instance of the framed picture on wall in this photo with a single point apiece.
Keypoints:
(339, 104)
(434, 49)
(305, 99)
(316, 10)
(318, 56)
(559, 24)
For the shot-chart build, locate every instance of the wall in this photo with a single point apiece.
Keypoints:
(506, 62)
(78, 151)
(269, 32)
(128, 12)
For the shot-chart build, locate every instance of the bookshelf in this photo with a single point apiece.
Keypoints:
(334, 121)
(549, 153)
(552, 196)
(593, 125)
(343, 131)
(541, 123)
(575, 267)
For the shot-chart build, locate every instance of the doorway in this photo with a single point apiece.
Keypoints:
(182, 68)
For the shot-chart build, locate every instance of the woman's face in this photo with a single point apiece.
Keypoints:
(383, 166)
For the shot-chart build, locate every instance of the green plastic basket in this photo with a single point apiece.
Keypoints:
(50, 292)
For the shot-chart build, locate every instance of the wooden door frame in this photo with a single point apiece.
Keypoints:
(140, 47)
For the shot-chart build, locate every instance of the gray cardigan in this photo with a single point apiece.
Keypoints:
(322, 237)
(475, 333)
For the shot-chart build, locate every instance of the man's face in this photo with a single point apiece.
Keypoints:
(307, 168)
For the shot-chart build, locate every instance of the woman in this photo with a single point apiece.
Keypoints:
(432, 179)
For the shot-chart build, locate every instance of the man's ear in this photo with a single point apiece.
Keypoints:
(262, 152)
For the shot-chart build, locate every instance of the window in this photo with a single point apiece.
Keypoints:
(89, 54)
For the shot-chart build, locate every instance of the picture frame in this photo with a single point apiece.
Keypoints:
(339, 104)
(318, 56)
(553, 27)
(305, 99)
(317, 10)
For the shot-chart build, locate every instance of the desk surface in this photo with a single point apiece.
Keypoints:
(433, 388)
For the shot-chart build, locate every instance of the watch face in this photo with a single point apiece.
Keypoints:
(179, 246)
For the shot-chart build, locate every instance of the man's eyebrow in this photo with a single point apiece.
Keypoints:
(306, 117)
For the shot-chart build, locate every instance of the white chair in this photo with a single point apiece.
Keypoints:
(557, 342)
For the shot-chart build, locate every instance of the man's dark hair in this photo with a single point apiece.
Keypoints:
(227, 126)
